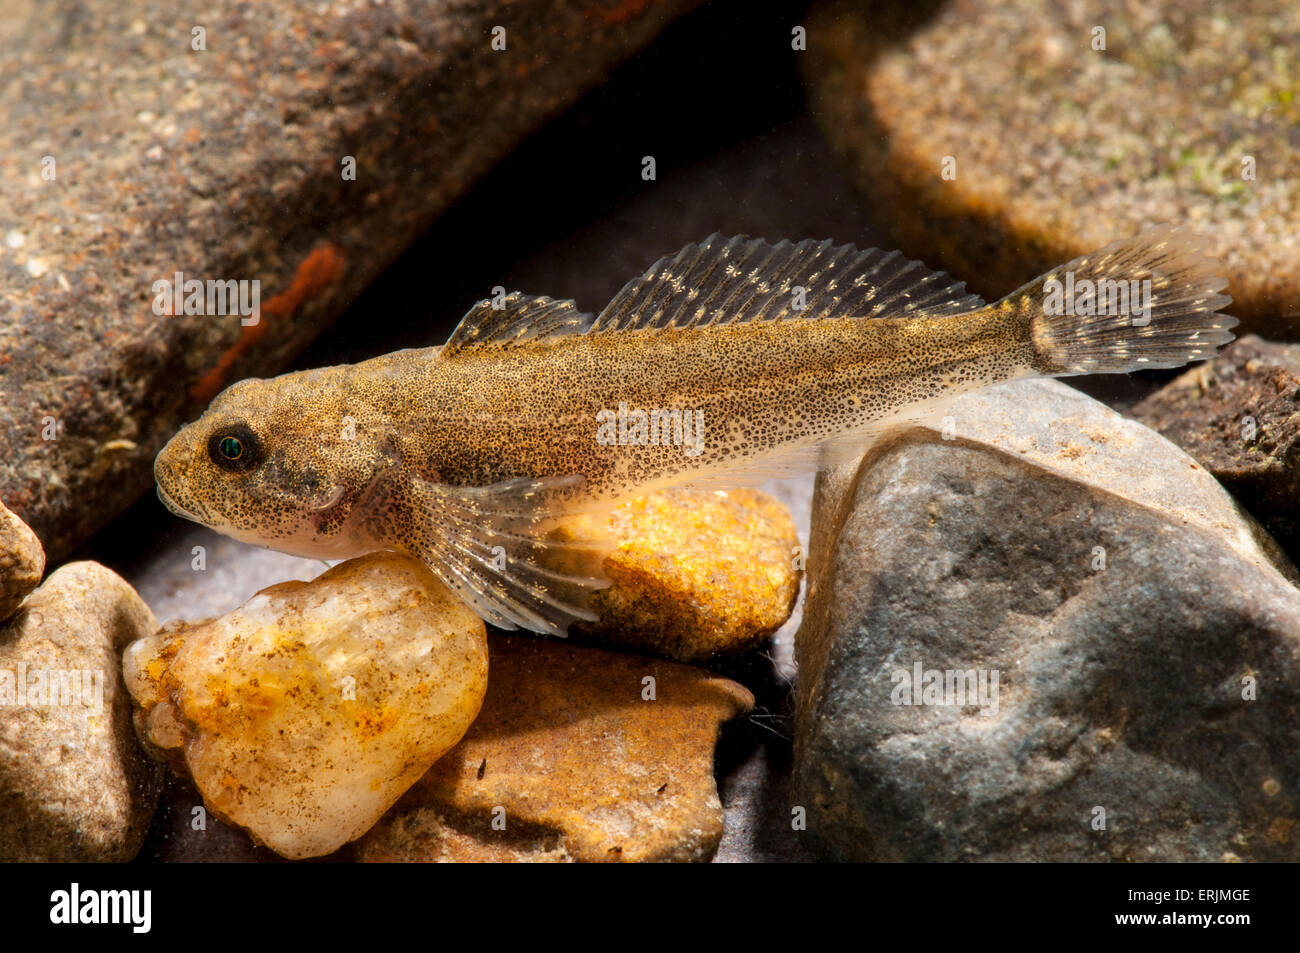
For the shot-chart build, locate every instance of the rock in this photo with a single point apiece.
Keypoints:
(1052, 148)
(697, 574)
(572, 763)
(1239, 416)
(1136, 639)
(74, 784)
(224, 152)
(303, 715)
(185, 832)
(22, 561)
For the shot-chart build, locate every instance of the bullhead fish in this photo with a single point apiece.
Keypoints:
(731, 361)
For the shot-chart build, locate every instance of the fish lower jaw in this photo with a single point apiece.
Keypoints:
(179, 510)
(304, 544)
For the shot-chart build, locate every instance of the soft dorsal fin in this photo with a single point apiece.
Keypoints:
(722, 280)
(522, 318)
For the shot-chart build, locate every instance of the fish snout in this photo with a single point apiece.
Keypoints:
(171, 484)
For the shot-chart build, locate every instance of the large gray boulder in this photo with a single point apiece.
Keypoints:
(1132, 639)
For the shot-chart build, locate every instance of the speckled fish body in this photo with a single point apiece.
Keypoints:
(727, 362)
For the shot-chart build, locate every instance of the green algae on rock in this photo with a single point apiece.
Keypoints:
(304, 714)
(1187, 115)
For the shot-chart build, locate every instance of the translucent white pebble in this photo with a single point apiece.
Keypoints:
(304, 714)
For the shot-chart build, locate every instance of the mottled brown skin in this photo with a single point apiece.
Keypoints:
(763, 388)
(489, 415)
(465, 454)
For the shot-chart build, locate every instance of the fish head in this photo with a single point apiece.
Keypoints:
(278, 463)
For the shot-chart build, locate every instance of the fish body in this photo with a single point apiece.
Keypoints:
(725, 363)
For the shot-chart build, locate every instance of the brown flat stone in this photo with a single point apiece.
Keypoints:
(576, 763)
(1239, 416)
(225, 164)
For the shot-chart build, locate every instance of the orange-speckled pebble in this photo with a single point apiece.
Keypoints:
(698, 573)
(575, 757)
(304, 714)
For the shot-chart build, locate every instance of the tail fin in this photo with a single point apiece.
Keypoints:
(1142, 303)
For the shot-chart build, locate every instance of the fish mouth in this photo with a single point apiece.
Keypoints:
(179, 510)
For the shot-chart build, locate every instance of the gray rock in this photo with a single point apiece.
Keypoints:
(1122, 693)
(128, 155)
(74, 782)
(21, 562)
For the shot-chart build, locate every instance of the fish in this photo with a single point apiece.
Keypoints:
(731, 361)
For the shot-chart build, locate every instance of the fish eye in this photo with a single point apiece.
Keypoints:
(235, 448)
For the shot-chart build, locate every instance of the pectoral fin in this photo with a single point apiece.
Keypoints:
(498, 548)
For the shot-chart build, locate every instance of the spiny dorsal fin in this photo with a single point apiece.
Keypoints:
(724, 279)
(522, 318)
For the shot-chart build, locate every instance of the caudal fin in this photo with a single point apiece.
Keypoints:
(1146, 302)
